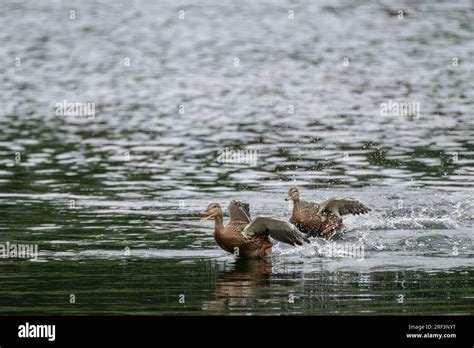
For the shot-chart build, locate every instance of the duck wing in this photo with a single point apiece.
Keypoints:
(278, 229)
(343, 206)
(239, 211)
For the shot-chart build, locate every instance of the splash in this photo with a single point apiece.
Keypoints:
(323, 248)
(437, 216)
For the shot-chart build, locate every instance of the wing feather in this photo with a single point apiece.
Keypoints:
(278, 229)
(344, 206)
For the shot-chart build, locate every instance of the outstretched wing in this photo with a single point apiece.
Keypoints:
(343, 206)
(277, 229)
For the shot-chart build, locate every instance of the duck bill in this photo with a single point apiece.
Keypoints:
(288, 199)
(205, 216)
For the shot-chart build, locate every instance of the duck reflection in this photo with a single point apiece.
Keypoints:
(238, 289)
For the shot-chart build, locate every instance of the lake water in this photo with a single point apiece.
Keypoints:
(111, 199)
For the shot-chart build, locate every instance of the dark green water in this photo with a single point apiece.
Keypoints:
(180, 286)
(112, 202)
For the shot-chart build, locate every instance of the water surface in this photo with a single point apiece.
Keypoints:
(112, 201)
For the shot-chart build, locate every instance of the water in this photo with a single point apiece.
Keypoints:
(112, 201)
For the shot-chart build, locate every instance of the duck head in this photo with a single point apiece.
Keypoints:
(293, 194)
(213, 210)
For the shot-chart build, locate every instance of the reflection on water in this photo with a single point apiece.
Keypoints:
(227, 286)
(239, 287)
(111, 201)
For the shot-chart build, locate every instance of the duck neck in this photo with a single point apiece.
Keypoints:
(218, 224)
(296, 208)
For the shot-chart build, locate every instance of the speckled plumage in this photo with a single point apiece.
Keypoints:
(231, 239)
(306, 218)
(324, 219)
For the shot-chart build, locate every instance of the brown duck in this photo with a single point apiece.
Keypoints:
(243, 237)
(322, 219)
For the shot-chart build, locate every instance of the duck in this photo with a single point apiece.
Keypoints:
(322, 219)
(244, 237)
